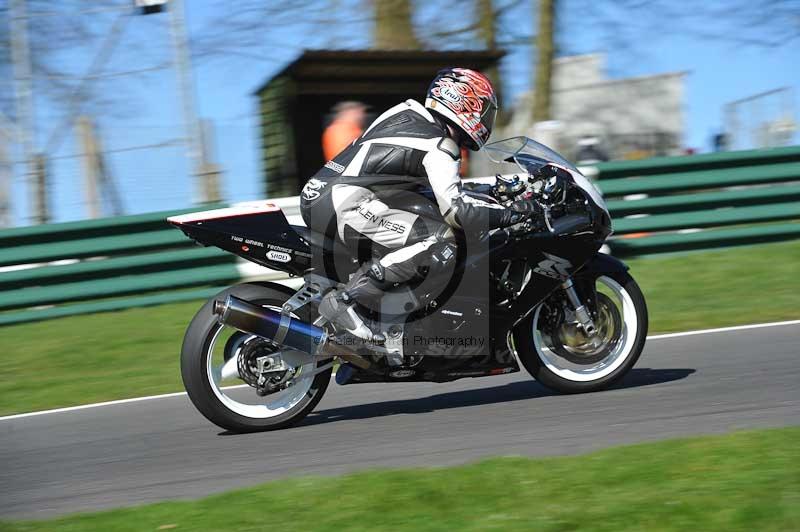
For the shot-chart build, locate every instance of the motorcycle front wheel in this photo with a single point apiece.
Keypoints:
(558, 354)
(214, 356)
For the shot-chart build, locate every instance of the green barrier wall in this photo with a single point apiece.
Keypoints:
(658, 205)
(704, 201)
(56, 270)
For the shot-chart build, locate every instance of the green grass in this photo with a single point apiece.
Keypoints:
(743, 481)
(116, 355)
(98, 357)
(736, 286)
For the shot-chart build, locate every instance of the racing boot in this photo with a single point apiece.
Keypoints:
(339, 305)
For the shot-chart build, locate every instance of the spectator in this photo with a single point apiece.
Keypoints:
(346, 126)
(589, 151)
(720, 142)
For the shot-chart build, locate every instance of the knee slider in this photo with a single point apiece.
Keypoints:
(442, 257)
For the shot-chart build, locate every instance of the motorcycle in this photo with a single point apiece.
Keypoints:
(258, 356)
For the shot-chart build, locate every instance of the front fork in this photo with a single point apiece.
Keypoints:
(581, 312)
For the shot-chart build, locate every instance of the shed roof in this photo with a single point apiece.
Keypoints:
(367, 71)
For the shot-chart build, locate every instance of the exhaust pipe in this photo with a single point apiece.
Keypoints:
(283, 330)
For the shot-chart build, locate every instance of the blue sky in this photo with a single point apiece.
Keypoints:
(719, 72)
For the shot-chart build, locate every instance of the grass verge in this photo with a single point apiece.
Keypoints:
(736, 286)
(741, 481)
(116, 355)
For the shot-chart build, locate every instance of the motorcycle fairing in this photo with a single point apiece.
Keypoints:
(459, 313)
(602, 263)
(259, 233)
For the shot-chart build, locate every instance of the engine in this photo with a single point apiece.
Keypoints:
(457, 330)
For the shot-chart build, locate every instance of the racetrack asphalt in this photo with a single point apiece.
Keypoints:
(128, 454)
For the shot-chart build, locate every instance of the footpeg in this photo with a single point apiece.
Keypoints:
(339, 309)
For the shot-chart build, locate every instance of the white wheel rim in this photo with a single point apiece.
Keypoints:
(273, 404)
(622, 350)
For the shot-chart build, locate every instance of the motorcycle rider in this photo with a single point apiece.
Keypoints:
(409, 143)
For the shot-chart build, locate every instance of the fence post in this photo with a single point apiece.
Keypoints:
(41, 192)
(90, 166)
(209, 171)
(6, 171)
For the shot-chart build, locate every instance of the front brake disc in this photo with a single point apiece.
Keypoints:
(571, 343)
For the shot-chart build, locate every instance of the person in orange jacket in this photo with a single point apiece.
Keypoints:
(347, 125)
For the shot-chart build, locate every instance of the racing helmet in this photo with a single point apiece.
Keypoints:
(466, 99)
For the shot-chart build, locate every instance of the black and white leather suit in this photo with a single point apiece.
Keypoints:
(407, 146)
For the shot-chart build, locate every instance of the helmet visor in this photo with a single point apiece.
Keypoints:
(489, 115)
(485, 125)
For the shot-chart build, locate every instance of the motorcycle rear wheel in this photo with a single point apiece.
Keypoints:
(237, 408)
(576, 368)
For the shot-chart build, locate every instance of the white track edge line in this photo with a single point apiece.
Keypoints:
(724, 329)
(104, 403)
(178, 394)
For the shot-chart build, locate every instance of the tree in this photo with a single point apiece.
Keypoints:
(54, 28)
(545, 49)
(487, 21)
(393, 27)
(489, 27)
(770, 23)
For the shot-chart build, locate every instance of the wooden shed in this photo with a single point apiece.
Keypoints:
(295, 104)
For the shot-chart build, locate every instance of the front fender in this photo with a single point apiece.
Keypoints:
(600, 264)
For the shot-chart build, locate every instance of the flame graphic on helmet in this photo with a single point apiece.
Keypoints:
(462, 93)
(466, 98)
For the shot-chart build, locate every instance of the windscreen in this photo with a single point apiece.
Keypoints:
(530, 156)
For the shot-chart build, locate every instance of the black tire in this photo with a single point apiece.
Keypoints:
(524, 344)
(194, 354)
